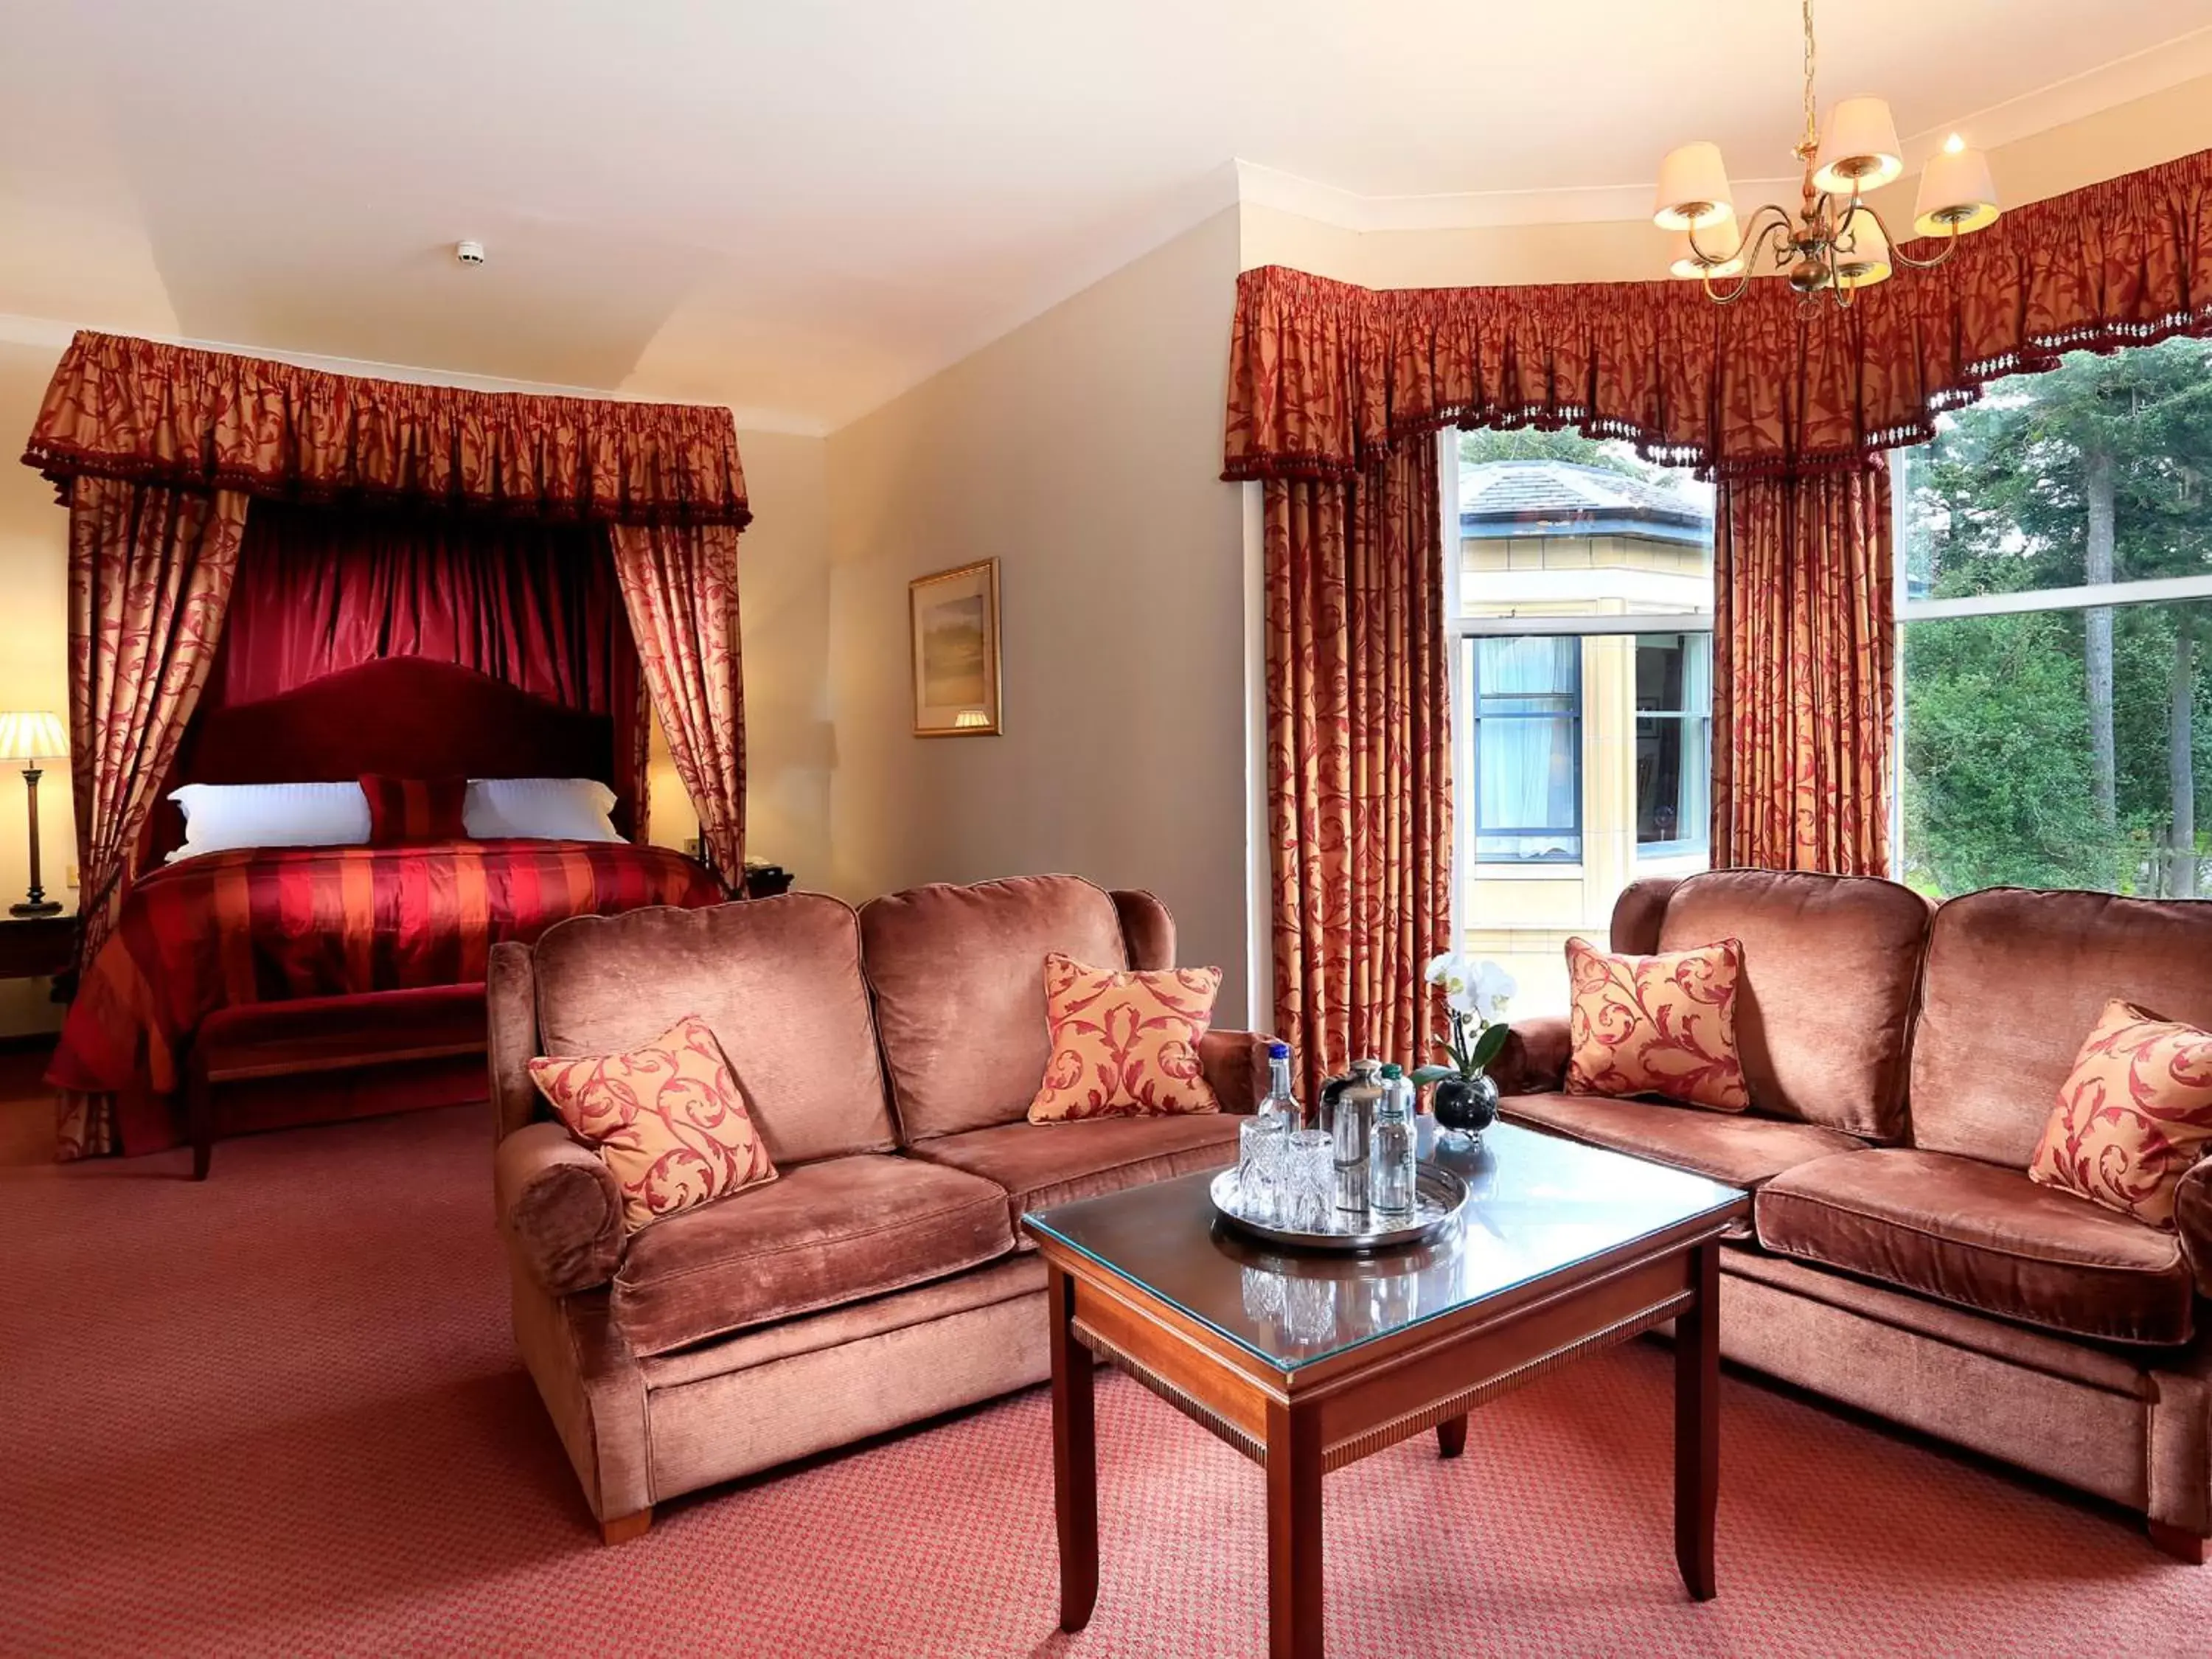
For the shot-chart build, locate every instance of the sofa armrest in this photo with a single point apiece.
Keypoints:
(1534, 1059)
(1235, 1066)
(560, 1208)
(2192, 1219)
(511, 1035)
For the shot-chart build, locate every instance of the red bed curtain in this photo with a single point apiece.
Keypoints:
(158, 450)
(320, 589)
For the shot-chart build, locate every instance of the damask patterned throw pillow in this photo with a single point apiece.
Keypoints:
(667, 1118)
(1125, 1044)
(2133, 1116)
(1657, 1025)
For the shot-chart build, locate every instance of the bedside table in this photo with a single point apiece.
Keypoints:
(31, 946)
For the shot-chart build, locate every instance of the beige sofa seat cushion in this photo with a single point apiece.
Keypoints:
(1984, 1237)
(777, 980)
(1743, 1151)
(819, 1235)
(1041, 1165)
(958, 976)
(2016, 981)
(1831, 966)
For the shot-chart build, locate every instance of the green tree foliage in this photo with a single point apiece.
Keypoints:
(2099, 470)
(1528, 444)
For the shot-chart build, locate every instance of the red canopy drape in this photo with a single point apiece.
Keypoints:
(124, 408)
(1325, 376)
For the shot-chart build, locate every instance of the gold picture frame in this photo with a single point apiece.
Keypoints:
(952, 616)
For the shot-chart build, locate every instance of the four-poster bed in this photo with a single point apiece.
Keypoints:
(283, 577)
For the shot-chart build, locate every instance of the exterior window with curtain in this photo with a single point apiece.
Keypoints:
(1674, 743)
(1527, 749)
(1583, 601)
(2054, 612)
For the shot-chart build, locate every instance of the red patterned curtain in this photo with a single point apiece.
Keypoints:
(136, 409)
(1325, 377)
(1359, 759)
(151, 569)
(1804, 672)
(680, 583)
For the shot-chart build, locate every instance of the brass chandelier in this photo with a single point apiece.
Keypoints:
(1836, 243)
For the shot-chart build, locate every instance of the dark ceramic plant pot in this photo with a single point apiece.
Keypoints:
(1465, 1106)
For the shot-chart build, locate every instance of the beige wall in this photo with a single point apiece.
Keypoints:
(1083, 451)
(2139, 134)
(784, 596)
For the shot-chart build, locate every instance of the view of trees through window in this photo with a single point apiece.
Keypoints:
(2049, 742)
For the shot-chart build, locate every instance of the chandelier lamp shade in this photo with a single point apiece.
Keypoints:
(1834, 243)
(31, 738)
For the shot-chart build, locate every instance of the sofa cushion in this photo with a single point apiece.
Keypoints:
(1657, 1025)
(667, 1117)
(1124, 1043)
(2134, 1116)
(1984, 1237)
(1041, 1165)
(820, 1235)
(958, 976)
(2016, 980)
(1831, 965)
(1743, 1151)
(777, 980)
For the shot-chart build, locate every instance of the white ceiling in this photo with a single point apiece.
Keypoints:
(800, 208)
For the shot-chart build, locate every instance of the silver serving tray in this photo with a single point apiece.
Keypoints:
(1440, 1198)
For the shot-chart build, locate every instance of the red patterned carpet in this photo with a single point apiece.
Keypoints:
(278, 1414)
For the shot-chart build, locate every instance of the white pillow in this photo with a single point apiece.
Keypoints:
(540, 809)
(220, 817)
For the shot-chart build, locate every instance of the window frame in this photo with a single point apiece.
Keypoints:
(2096, 596)
(1683, 846)
(1470, 648)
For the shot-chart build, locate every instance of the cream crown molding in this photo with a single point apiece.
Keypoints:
(46, 332)
(2062, 103)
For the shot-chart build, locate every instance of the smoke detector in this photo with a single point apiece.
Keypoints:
(469, 254)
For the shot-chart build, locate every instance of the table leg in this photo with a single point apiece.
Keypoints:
(1697, 1424)
(1451, 1436)
(1074, 1459)
(1294, 1600)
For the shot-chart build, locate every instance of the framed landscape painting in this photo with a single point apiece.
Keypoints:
(955, 616)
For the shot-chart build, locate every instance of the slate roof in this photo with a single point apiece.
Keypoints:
(1558, 498)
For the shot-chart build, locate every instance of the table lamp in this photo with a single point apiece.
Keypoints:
(31, 738)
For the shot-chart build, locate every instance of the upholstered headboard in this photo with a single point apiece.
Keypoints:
(402, 716)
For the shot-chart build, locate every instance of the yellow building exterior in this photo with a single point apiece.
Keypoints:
(1549, 542)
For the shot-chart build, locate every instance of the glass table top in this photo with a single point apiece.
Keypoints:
(1540, 1204)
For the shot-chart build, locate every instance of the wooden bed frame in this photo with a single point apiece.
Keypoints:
(304, 1063)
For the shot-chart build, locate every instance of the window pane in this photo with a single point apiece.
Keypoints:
(2079, 477)
(1525, 773)
(2004, 725)
(1582, 762)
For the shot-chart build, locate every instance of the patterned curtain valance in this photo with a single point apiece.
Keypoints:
(1324, 377)
(179, 417)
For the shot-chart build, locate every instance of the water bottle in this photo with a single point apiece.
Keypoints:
(1281, 1102)
(1390, 1149)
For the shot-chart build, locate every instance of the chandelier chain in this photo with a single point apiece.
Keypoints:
(1812, 116)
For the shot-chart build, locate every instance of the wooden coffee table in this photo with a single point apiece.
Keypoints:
(1307, 1362)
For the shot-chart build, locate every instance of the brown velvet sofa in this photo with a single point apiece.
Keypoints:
(1903, 1058)
(889, 1055)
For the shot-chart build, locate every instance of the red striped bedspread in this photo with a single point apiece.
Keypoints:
(270, 924)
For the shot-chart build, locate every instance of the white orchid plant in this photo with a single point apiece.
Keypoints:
(1476, 994)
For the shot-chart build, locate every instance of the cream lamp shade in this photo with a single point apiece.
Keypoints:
(1860, 150)
(32, 736)
(1957, 194)
(1861, 252)
(1693, 188)
(1715, 242)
